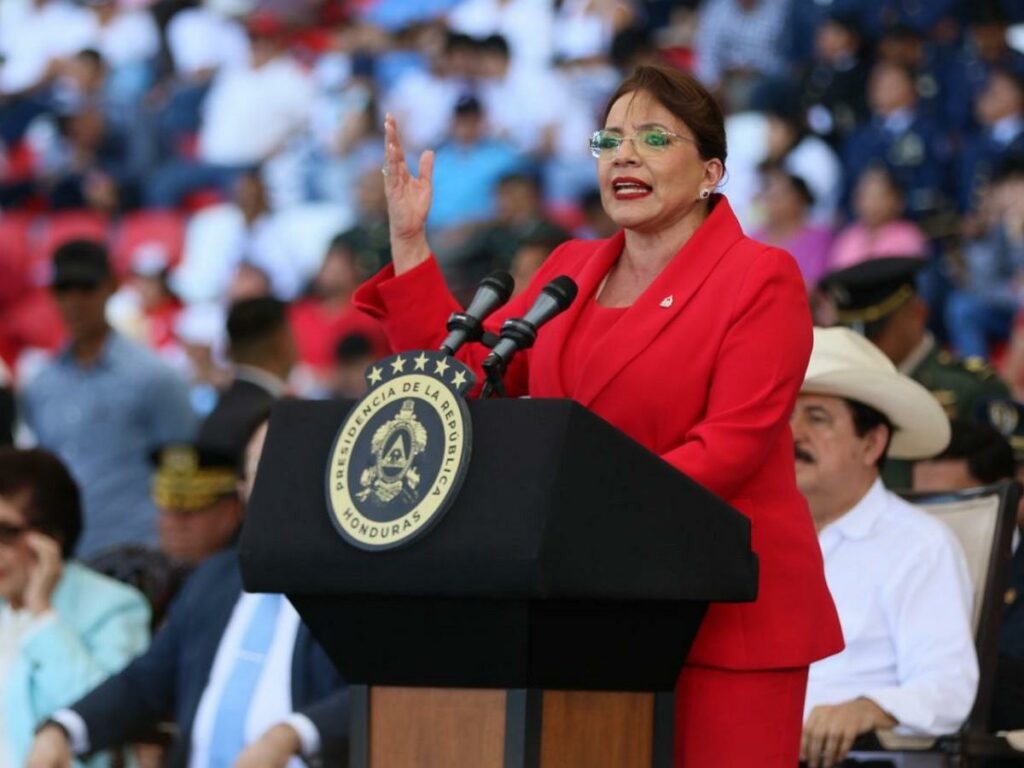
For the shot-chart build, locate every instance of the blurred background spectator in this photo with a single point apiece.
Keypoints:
(878, 227)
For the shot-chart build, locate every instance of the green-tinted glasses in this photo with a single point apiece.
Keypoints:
(649, 141)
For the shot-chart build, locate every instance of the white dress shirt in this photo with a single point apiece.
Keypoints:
(200, 38)
(901, 586)
(250, 113)
(272, 699)
(30, 37)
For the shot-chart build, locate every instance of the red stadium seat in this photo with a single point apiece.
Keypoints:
(568, 216)
(202, 198)
(21, 162)
(15, 255)
(164, 227)
(30, 322)
(58, 228)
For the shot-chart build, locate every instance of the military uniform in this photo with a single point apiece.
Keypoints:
(1007, 416)
(960, 385)
(865, 296)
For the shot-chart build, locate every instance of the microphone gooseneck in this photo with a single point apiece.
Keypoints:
(494, 291)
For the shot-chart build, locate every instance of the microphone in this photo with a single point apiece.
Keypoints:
(520, 333)
(494, 291)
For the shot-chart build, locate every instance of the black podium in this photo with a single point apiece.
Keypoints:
(574, 567)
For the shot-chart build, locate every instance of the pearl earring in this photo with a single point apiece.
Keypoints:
(705, 194)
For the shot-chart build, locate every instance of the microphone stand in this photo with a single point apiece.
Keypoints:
(495, 383)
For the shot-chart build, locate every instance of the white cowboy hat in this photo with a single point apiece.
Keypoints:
(845, 364)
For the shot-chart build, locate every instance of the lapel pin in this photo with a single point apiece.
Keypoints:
(666, 302)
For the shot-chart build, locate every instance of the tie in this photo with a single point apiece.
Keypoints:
(228, 737)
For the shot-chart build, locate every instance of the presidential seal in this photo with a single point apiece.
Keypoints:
(401, 455)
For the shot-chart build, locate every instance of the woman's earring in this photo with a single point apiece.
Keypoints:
(705, 194)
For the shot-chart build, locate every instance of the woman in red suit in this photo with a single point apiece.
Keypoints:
(693, 340)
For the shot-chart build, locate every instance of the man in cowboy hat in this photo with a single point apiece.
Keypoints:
(898, 577)
(878, 298)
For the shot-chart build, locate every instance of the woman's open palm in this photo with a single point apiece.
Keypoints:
(408, 199)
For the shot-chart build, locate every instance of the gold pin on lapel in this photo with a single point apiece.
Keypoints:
(666, 302)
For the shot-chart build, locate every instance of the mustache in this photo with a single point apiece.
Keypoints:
(802, 455)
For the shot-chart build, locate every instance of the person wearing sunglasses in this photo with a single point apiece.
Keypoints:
(692, 339)
(63, 627)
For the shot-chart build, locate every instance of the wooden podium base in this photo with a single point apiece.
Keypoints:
(469, 728)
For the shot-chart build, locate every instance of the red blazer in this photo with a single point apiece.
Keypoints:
(707, 382)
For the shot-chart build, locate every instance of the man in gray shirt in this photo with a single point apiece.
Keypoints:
(104, 404)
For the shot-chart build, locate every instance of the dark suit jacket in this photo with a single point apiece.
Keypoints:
(240, 408)
(6, 416)
(168, 680)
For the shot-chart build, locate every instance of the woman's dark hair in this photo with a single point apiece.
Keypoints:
(795, 182)
(40, 486)
(882, 170)
(683, 96)
(865, 419)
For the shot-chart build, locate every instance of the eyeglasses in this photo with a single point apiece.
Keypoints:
(9, 534)
(650, 141)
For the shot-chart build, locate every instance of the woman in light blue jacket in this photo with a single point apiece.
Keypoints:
(63, 627)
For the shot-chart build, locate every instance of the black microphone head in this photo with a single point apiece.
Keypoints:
(501, 282)
(563, 290)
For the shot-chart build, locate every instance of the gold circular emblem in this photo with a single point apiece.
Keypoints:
(398, 461)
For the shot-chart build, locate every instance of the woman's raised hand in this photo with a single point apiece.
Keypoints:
(408, 201)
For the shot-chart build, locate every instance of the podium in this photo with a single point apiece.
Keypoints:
(542, 622)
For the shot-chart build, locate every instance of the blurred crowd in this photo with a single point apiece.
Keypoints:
(220, 148)
(191, 192)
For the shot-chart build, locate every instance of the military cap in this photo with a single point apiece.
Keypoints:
(190, 477)
(1007, 416)
(871, 290)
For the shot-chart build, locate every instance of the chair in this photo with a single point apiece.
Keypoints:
(59, 228)
(163, 226)
(983, 520)
(15, 253)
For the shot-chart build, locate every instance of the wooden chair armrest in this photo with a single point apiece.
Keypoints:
(1014, 738)
(899, 742)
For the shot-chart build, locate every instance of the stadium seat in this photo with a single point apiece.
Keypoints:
(164, 227)
(15, 254)
(58, 228)
(201, 198)
(21, 162)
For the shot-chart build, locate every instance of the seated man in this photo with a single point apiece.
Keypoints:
(63, 627)
(239, 673)
(898, 577)
(979, 455)
(195, 490)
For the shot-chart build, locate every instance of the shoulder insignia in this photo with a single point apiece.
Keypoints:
(978, 366)
(947, 399)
